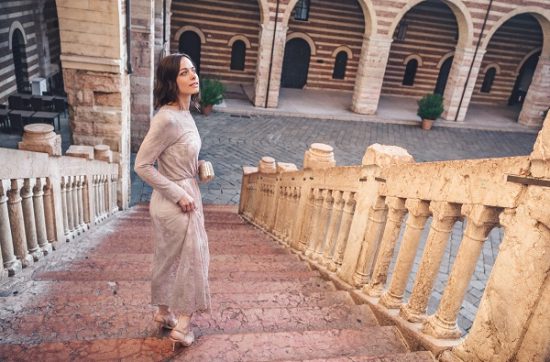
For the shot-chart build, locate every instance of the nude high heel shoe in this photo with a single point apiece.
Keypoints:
(182, 333)
(164, 320)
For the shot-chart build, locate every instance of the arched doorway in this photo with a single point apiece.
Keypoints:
(443, 76)
(190, 44)
(523, 80)
(20, 61)
(295, 63)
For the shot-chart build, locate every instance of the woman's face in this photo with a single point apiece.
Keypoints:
(187, 80)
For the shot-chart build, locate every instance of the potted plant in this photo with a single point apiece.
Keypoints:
(212, 91)
(430, 108)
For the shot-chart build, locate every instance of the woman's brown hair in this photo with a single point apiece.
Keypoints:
(166, 88)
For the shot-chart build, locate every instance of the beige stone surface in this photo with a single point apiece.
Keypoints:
(103, 153)
(40, 137)
(267, 165)
(384, 155)
(82, 151)
(286, 167)
(319, 156)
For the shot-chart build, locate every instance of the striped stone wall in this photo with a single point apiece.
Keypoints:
(431, 34)
(332, 25)
(517, 38)
(219, 21)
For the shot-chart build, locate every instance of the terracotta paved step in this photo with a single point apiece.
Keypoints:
(422, 356)
(373, 341)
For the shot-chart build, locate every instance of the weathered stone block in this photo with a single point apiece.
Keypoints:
(267, 165)
(319, 156)
(82, 151)
(40, 137)
(103, 153)
(382, 155)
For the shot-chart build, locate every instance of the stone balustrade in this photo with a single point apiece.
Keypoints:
(348, 221)
(47, 199)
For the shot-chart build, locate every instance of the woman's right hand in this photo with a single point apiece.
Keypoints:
(187, 204)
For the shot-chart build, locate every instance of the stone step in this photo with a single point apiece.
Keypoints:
(421, 356)
(373, 341)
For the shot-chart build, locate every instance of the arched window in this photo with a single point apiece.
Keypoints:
(340, 64)
(301, 10)
(410, 72)
(488, 80)
(238, 54)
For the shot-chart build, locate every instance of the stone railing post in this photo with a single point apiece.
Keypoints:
(479, 222)
(305, 226)
(332, 230)
(315, 227)
(17, 223)
(10, 262)
(76, 214)
(70, 205)
(86, 201)
(97, 205)
(444, 216)
(396, 212)
(279, 213)
(39, 216)
(320, 240)
(343, 231)
(418, 215)
(64, 207)
(29, 218)
(80, 202)
(293, 211)
(49, 213)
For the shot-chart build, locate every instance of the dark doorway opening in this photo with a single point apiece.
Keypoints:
(20, 62)
(190, 44)
(238, 55)
(340, 65)
(523, 81)
(295, 64)
(443, 76)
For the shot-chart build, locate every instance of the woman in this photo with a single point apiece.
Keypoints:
(180, 264)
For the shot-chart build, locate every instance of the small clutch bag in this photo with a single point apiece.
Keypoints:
(206, 171)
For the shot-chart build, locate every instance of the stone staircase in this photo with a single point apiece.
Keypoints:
(90, 301)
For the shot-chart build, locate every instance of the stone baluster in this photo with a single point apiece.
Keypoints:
(96, 199)
(261, 209)
(76, 212)
(66, 231)
(80, 202)
(316, 226)
(30, 221)
(444, 216)
(6, 241)
(105, 196)
(396, 212)
(324, 221)
(70, 205)
(108, 197)
(343, 231)
(306, 225)
(258, 200)
(292, 213)
(272, 206)
(334, 224)
(49, 213)
(371, 241)
(86, 201)
(40, 218)
(285, 212)
(101, 196)
(17, 223)
(247, 208)
(418, 214)
(114, 205)
(279, 213)
(480, 220)
(268, 207)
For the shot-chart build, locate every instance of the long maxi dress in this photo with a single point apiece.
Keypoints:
(180, 262)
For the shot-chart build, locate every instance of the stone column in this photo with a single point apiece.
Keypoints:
(96, 79)
(343, 231)
(444, 216)
(320, 241)
(40, 137)
(10, 262)
(305, 228)
(76, 215)
(64, 207)
(332, 230)
(70, 205)
(80, 201)
(375, 52)
(371, 241)
(17, 224)
(49, 214)
(480, 220)
(458, 79)
(30, 222)
(279, 213)
(396, 212)
(244, 200)
(86, 201)
(292, 214)
(39, 216)
(265, 58)
(319, 156)
(418, 215)
(536, 101)
(316, 226)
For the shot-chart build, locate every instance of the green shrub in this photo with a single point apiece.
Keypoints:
(430, 106)
(212, 91)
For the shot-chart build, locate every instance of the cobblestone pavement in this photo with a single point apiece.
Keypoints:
(232, 141)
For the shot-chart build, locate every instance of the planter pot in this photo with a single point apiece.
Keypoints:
(207, 109)
(427, 123)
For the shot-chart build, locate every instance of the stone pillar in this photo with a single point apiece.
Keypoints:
(319, 156)
(318, 198)
(30, 222)
(267, 165)
(332, 230)
(396, 212)
(537, 100)
(40, 137)
(246, 194)
(49, 214)
(17, 224)
(263, 78)
(458, 79)
(80, 202)
(141, 81)
(375, 52)
(293, 214)
(95, 73)
(39, 216)
(371, 241)
(10, 262)
(444, 216)
(70, 205)
(305, 225)
(64, 207)
(418, 215)
(479, 222)
(343, 231)
(86, 201)
(162, 46)
(279, 212)
(320, 240)
(76, 213)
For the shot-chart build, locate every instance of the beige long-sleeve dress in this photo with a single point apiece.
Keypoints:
(180, 263)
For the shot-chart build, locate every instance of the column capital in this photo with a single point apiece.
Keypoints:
(442, 210)
(418, 207)
(481, 215)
